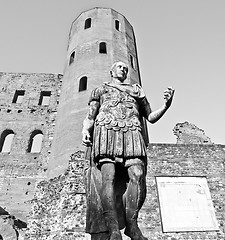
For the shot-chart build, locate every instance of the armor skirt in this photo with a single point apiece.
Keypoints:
(109, 143)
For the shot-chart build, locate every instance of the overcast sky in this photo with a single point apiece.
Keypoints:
(181, 43)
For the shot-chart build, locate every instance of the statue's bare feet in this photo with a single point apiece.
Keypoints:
(134, 233)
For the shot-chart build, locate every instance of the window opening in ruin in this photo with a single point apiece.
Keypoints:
(18, 96)
(6, 141)
(117, 25)
(72, 56)
(132, 62)
(102, 47)
(83, 84)
(35, 141)
(87, 23)
(44, 98)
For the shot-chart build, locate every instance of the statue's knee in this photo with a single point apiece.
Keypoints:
(108, 178)
(136, 173)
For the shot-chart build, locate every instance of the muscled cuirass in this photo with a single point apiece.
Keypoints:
(118, 110)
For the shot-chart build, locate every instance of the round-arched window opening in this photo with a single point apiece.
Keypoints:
(83, 84)
(102, 47)
(6, 141)
(117, 25)
(35, 141)
(87, 23)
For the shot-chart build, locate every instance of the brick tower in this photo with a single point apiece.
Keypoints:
(98, 38)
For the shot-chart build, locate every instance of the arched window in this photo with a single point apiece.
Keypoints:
(132, 62)
(6, 140)
(117, 25)
(102, 47)
(35, 141)
(72, 56)
(83, 84)
(87, 23)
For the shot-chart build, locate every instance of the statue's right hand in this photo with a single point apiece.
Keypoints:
(86, 140)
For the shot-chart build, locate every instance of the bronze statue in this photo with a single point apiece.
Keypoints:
(116, 186)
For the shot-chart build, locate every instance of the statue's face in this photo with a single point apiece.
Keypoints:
(120, 71)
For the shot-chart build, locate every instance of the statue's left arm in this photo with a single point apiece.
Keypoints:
(154, 116)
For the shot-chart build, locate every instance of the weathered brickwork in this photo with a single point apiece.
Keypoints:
(188, 133)
(20, 169)
(184, 160)
(58, 209)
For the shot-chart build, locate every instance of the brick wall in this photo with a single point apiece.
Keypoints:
(58, 209)
(184, 160)
(20, 169)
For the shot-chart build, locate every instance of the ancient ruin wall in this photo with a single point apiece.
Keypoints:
(24, 116)
(58, 209)
(188, 133)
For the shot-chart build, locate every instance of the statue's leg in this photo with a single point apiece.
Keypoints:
(100, 236)
(108, 202)
(133, 200)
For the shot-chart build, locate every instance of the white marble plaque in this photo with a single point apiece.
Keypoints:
(186, 204)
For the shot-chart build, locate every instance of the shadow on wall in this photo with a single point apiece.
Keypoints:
(9, 225)
(3, 211)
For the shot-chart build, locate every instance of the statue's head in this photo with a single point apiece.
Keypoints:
(119, 71)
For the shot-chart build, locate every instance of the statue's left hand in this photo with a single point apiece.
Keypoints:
(168, 96)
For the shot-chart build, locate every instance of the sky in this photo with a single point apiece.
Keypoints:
(180, 43)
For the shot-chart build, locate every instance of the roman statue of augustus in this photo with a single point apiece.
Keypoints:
(116, 186)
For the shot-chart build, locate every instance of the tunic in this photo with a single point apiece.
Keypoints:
(117, 128)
